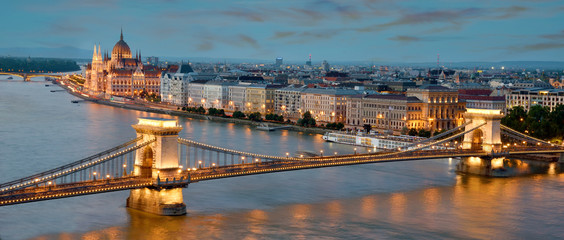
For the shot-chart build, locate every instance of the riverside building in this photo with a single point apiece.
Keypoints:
(120, 74)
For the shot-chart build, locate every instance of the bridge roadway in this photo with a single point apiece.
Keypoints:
(181, 178)
(27, 76)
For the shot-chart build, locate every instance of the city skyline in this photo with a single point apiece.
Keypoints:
(380, 31)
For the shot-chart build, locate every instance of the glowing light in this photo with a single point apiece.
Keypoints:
(497, 162)
(157, 122)
(484, 111)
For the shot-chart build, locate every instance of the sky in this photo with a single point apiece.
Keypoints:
(338, 30)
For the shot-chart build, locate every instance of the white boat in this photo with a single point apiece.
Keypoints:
(372, 140)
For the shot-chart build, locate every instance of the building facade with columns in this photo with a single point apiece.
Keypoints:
(440, 106)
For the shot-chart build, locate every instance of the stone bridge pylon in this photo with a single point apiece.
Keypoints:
(488, 136)
(157, 161)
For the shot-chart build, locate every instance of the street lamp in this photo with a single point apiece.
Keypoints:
(199, 164)
(287, 154)
(354, 150)
(321, 153)
(242, 159)
(124, 172)
(94, 175)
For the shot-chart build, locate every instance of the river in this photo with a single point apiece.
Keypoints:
(408, 200)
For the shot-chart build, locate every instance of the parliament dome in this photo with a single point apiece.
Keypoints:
(121, 49)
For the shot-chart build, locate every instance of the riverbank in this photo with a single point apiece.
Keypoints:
(162, 110)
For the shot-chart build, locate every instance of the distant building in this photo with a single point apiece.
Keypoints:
(532, 84)
(288, 102)
(325, 66)
(481, 99)
(440, 107)
(153, 61)
(526, 98)
(385, 113)
(279, 61)
(326, 105)
(174, 85)
(260, 98)
(196, 93)
(216, 94)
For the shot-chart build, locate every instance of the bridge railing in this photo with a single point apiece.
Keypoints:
(82, 169)
(197, 155)
(439, 136)
(521, 136)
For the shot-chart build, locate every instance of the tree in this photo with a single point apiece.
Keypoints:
(340, 126)
(404, 131)
(307, 120)
(238, 114)
(255, 117)
(412, 132)
(367, 127)
(424, 133)
(515, 118)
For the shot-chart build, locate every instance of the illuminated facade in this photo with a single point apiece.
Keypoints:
(259, 98)
(535, 96)
(326, 105)
(385, 113)
(440, 106)
(288, 102)
(120, 73)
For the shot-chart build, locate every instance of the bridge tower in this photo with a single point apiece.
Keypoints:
(158, 161)
(486, 137)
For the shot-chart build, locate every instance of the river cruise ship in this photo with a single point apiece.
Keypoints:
(372, 140)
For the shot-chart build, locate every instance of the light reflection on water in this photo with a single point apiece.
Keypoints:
(422, 199)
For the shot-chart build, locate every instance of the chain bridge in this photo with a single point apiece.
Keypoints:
(27, 76)
(157, 164)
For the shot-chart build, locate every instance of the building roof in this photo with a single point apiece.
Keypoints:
(397, 97)
(331, 91)
(433, 87)
(121, 47)
(184, 68)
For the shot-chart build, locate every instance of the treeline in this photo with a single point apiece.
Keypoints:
(12, 64)
(539, 122)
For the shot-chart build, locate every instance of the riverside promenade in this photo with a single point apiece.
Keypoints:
(171, 110)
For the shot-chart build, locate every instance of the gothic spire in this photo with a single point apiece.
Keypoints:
(121, 35)
(94, 54)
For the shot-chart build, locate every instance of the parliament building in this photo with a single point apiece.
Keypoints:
(120, 74)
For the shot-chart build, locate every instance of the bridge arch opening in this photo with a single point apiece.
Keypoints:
(477, 139)
(147, 159)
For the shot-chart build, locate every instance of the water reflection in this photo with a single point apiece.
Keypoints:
(423, 199)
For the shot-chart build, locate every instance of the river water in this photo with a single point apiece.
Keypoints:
(408, 200)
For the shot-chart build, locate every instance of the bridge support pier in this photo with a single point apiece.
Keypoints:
(158, 160)
(165, 202)
(486, 166)
(561, 159)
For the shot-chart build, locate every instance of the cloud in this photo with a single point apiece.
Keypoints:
(248, 14)
(246, 40)
(406, 39)
(558, 36)
(65, 28)
(279, 35)
(205, 46)
(510, 12)
(537, 47)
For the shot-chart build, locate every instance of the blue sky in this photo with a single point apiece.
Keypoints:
(369, 30)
